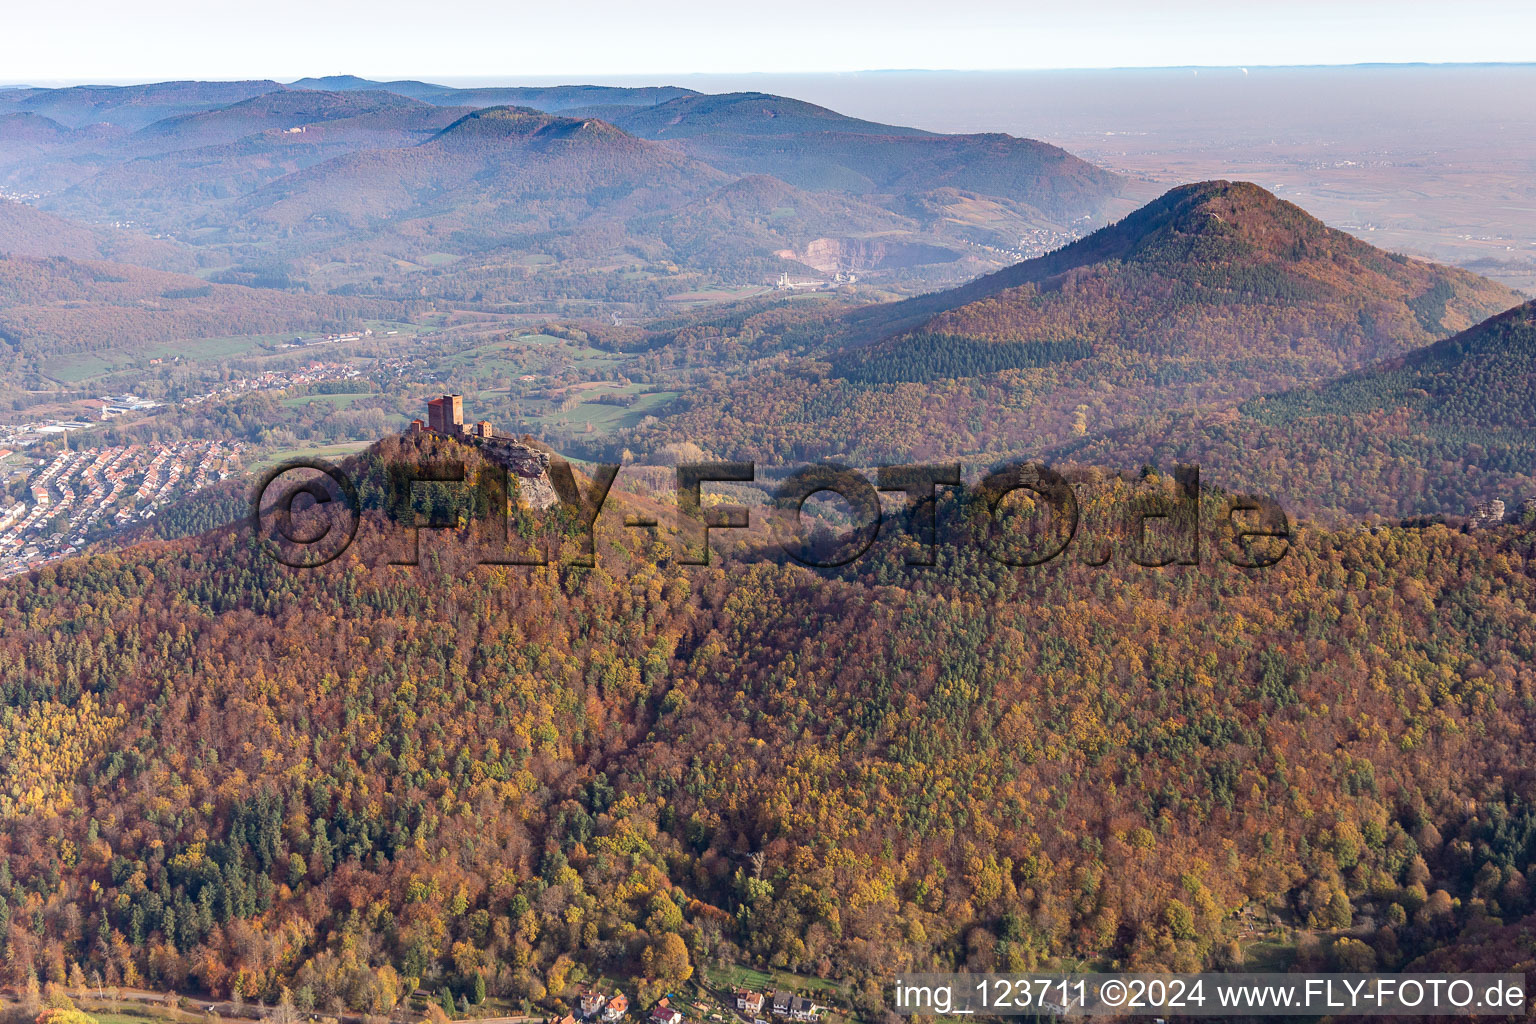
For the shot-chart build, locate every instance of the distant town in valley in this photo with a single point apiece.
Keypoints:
(78, 496)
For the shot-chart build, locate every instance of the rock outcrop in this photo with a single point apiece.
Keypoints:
(529, 468)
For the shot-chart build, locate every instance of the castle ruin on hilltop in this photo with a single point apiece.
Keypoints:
(445, 417)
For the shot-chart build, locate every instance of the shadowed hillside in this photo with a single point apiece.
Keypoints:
(27, 231)
(50, 306)
(817, 148)
(1209, 296)
(1217, 269)
(1436, 431)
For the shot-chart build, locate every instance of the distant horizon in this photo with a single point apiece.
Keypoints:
(462, 81)
(167, 40)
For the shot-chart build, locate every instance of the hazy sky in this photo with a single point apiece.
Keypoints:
(104, 40)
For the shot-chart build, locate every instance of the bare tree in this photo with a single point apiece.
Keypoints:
(29, 996)
(284, 1013)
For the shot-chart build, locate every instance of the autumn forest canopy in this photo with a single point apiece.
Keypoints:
(450, 788)
(228, 776)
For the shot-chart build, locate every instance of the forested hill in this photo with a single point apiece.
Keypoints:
(749, 113)
(1215, 269)
(359, 172)
(27, 231)
(548, 98)
(500, 169)
(1437, 431)
(816, 148)
(219, 774)
(54, 305)
(1210, 296)
(131, 106)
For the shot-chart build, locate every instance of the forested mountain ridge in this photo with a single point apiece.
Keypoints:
(816, 148)
(197, 160)
(288, 109)
(498, 172)
(551, 99)
(129, 106)
(1209, 296)
(30, 232)
(223, 775)
(137, 106)
(182, 171)
(30, 140)
(1206, 268)
(748, 113)
(1437, 431)
(177, 170)
(58, 305)
(503, 177)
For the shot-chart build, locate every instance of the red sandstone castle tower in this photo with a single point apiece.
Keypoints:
(445, 415)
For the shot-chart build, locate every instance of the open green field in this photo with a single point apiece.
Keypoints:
(78, 367)
(489, 352)
(213, 348)
(129, 1011)
(730, 976)
(1267, 955)
(584, 356)
(138, 1017)
(609, 417)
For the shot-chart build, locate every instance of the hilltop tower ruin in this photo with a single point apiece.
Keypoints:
(445, 415)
